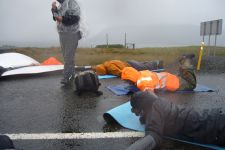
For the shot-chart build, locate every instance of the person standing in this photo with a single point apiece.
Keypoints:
(67, 16)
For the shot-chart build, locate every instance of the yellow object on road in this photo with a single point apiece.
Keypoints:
(200, 56)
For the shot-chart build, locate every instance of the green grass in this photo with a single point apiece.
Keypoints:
(93, 56)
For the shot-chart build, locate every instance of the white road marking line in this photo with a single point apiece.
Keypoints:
(61, 136)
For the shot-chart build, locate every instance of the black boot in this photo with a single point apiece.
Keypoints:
(187, 73)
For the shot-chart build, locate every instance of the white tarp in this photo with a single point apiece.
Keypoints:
(16, 60)
(33, 70)
(22, 64)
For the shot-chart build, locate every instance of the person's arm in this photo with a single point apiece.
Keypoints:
(148, 142)
(153, 129)
(54, 11)
(156, 120)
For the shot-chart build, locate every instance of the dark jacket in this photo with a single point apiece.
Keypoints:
(168, 119)
(163, 118)
(6, 143)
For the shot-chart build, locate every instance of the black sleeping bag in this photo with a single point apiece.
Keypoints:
(147, 65)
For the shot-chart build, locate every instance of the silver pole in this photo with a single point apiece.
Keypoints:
(107, 40)
(209, 45)
(217, 32)
(125, 40)
(215, 46)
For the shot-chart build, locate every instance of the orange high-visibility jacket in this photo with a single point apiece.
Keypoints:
(148, 80)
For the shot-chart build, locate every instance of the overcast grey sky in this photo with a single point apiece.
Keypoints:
(147, 22)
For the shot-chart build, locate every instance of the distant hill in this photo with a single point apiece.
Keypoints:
(153, 36)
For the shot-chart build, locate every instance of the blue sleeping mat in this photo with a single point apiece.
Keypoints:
(123, 116)
(106, 76)
(124, 89)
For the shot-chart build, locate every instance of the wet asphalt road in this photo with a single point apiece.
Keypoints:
(38, 104)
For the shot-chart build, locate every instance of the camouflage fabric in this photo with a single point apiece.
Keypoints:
(187, 79)
(186, 72)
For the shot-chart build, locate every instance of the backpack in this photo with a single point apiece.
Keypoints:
(87, 81)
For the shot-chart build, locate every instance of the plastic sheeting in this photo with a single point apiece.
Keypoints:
(33, 70)
(14, 60)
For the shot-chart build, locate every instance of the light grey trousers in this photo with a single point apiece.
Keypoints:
(69, 43)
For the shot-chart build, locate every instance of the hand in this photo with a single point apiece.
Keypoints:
(54, 5)
(59, 18)
(148, 142)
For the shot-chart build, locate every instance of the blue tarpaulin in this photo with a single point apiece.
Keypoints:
(124, 89)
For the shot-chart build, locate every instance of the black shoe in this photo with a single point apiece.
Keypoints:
(65, 81)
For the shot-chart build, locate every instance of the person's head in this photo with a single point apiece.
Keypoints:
(141, 103)
(186, 61)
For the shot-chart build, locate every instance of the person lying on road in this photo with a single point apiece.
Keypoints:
(163, 118)
(115, 67)
(148, 80)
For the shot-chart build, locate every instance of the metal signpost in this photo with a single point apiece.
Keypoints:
(210, 28)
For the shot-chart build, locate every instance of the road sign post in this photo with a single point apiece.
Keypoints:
(210, 28)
